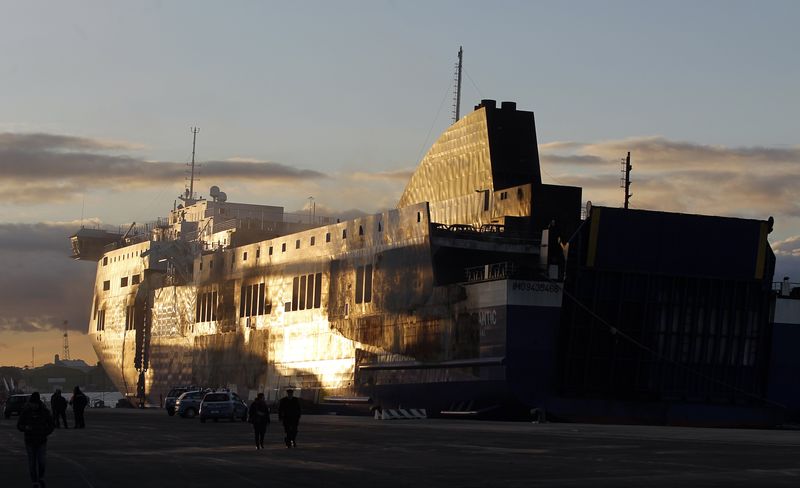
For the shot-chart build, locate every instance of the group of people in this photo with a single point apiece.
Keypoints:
(37, 422)
(288, 414)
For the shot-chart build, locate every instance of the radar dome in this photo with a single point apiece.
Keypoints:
(214, 191)
(222, 197)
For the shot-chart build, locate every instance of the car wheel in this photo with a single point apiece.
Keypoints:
(202, 420)
(170, 412)
(190, 413)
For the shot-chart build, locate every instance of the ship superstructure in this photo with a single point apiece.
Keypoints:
(243, 296)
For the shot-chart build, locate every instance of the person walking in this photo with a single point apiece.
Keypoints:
(59, 404)
(78, 402)
(289, 414)
(37, 423)
(259, 417)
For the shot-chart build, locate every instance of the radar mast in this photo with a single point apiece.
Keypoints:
(188, 195)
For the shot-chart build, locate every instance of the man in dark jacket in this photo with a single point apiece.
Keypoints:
(59, 404)
(289, 414)
(78, 402)
(37, 423)
(259, 417)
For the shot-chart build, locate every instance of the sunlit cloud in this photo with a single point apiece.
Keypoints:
(400, 175)
(752, 182)
(50, 168)
(787, 247)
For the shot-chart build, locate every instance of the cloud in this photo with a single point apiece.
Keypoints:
(399, 175)
(787, 247)
(46, 142)
(752, 182)
(40, 286)
(44, 168)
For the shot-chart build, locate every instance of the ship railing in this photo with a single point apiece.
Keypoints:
(247, 224)
(307, 218)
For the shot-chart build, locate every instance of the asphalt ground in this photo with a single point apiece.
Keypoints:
(146, 448)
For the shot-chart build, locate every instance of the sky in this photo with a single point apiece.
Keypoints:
(340, 100)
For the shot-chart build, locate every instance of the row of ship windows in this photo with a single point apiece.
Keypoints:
(121, 257)
(297, 243)
(306, 295)
(123, 282)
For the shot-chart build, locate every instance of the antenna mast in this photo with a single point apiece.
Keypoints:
(626, 182)
(457, 101)
(194, 130)
(65, 352)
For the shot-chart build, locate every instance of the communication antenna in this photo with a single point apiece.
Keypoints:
(457, 94)
(194, 131)
(65, 351)
(626, 181)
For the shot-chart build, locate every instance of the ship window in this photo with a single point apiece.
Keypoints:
(310, 292)
(328, 237)
(360, 230)
(519, 194)
(211, 264)
(244, 304)
(105, 260)
(302, 294)
(258, 253)
(364, 284)
(261, 304)
(297, 244)
(283, 247)
(123, 282)
(129, 315)
(244, 257)
(368, 283)
(101, 320)
(135, 279)
(419, 217)
(270, 250)
(318, 290)
(201, 265)
(287, 307)
(380, 227)
(359, 284)
(295, 284)
(313, 240)
(344, 233)
(106, 285)
(206, 307)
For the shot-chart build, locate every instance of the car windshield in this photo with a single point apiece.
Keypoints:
(175, 392)
(216, 397)
(18, 399)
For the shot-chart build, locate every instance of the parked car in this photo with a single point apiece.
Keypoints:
(222, 405)
(188, 404)
(174, 393)
(14, 404)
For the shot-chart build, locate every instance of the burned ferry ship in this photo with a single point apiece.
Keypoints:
(485, 290)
